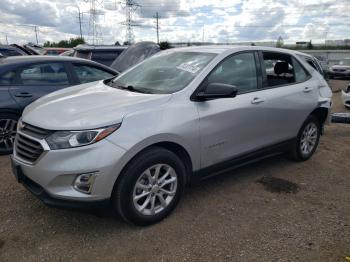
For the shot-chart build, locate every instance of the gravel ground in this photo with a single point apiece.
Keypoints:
(231, 217)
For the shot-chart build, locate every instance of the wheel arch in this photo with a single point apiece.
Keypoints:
(321, 113)
(172, 146)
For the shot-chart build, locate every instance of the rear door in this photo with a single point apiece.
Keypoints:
(35, 80)
(289, 95)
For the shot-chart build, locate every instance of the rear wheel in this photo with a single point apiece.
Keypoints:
(150, 187)
(307, 140)
(8, 125)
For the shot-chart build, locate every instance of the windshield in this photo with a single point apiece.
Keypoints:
(165, 73)
(345, 62)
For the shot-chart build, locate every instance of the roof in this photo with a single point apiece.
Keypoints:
(99, 47)
(218, 49)
(57, 48)
(8, 47)
(12, 60)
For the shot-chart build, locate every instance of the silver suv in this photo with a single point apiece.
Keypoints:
(135, 142)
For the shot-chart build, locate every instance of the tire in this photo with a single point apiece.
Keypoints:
(8, 126)
(126, 192)
(302, 149)
(342, 118)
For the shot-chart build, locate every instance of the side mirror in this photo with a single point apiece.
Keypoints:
(217, 90)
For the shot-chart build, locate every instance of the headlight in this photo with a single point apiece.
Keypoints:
(69, 139)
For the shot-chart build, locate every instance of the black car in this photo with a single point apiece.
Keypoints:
(104, 54)
(134, 54)
(24, 79)
(7, 50)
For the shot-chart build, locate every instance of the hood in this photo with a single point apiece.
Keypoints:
(87, 106)
(343, 67)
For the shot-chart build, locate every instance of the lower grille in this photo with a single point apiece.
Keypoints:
(28, 149)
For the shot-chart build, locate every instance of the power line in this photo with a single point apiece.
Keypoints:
(94, 27)
(36, 34)
(157, 26)
(130, 8)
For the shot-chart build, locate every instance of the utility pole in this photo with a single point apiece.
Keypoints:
(7, 41)
(36, 34)
(203, 35)
(81, 33)
(157, 26)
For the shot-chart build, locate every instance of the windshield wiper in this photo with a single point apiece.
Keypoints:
(132, 89)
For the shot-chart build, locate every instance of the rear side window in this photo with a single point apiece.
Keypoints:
(300, 74)
(88, 74)
(105, 57)
(238, 70)
(44, 74)
(7, 78)
(282, 69)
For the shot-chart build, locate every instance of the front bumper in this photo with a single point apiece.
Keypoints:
(56, 170)
(49, 200)
(345, 98)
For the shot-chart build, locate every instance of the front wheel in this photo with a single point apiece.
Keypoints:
(307, 140)
(150, 187)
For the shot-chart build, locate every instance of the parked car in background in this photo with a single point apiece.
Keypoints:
(134, 54)
(340, 70)
(103, 54)
(26, 78)
(68, 53)
(345, 95)
(7, 50)
(135, 141)
(55, 50)
(34, 49)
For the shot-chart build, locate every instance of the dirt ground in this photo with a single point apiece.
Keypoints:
(232, 217)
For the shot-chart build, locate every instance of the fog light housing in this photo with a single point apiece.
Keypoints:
(84, 182)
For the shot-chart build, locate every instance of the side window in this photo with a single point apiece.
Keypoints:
(105, 57)
(44, 74)
(311, 64)
(88, 74)
(279, 69)
(7, 78)
(299, 72)
(238, 70)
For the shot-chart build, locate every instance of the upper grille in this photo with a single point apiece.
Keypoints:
(339, 70)
(27, 148)
(34, 131)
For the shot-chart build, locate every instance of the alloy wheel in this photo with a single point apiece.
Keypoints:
(155, 189)
(7, 134)
(308, 139)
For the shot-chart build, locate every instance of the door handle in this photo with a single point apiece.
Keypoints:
(23, 94)
(307, 89)
(257, 100)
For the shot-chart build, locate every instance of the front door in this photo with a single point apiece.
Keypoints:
(231, 126)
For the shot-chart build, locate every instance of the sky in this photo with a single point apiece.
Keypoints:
(217, 21)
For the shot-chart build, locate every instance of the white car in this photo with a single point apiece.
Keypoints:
(345, 96)
(135, 141)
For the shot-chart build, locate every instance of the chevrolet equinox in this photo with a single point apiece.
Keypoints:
(135, 142)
